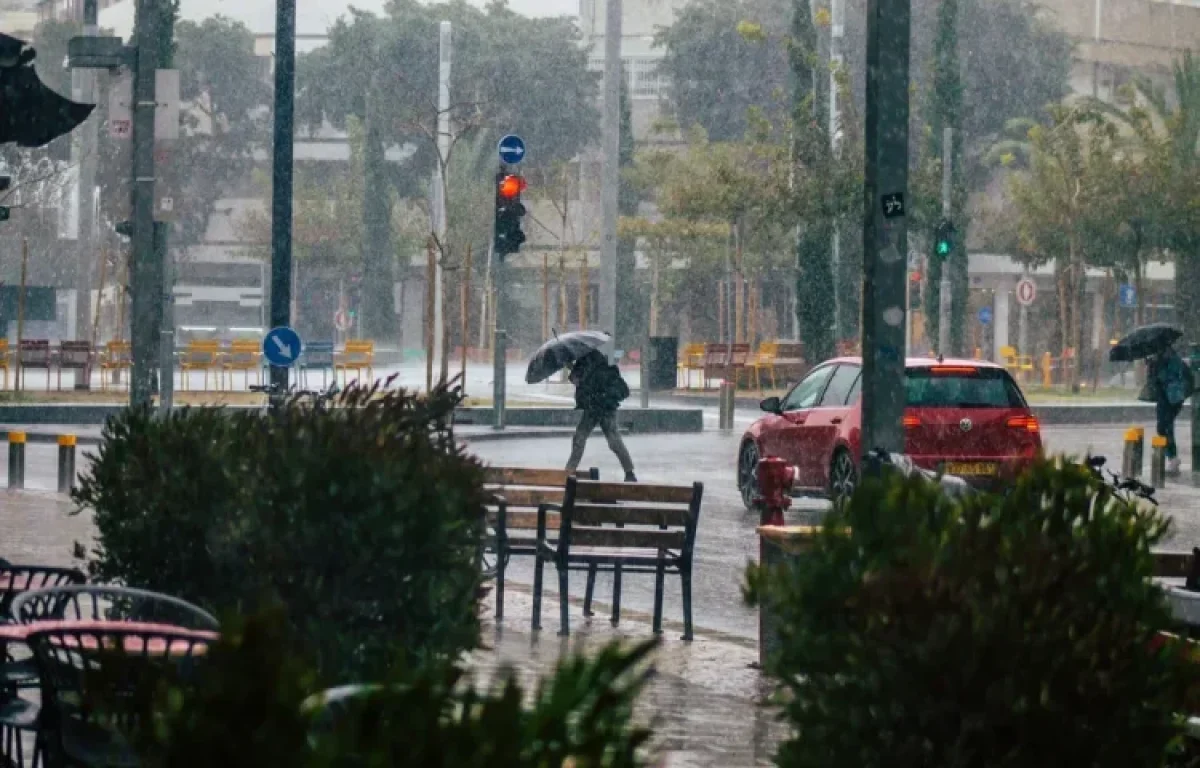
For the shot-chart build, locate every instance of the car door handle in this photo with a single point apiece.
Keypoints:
(836, 420)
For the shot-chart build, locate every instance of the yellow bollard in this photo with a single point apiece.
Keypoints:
(16, 459)
(1047, 382)
(1158, 462)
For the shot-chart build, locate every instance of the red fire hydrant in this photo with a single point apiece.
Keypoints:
(775, 481)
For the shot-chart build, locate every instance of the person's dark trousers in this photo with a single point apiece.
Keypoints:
(608, 424)
(1166, 413)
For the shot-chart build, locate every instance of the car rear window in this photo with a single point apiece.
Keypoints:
(961, 387)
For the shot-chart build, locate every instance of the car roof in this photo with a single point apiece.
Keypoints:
(925, 362)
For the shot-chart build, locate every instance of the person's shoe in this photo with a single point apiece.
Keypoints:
(630, 477)
(1173, 466)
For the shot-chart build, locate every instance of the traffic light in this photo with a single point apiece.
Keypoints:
(944, 245)
(31, 114)
(509, 211)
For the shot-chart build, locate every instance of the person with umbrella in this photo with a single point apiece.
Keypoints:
(1168, 379)
(599, 390)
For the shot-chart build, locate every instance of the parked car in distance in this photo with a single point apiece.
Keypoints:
(962, 417)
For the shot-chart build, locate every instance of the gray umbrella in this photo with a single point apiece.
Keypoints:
(561, 351)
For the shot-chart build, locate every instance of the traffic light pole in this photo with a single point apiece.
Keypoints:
(85, 145)
(885, 234)
(610, 191)
(945, 294)
(144, 290)
(281, 176)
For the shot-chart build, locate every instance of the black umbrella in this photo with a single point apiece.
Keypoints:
(561, 351)
(1146, 341)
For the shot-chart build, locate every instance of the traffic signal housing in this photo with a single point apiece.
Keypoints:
(944, 238)
(509, 212)
(31, 114)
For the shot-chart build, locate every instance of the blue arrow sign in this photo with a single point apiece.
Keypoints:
(985, 315)
(1127, 295)
(512, 149)
(281, 346)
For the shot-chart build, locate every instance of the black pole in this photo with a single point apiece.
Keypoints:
(144, 290)
(281, 176)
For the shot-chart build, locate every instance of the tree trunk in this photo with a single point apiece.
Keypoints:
(430, 288)
(562, 290)
(465, 306)
(378, 320)
(1187, 289)
(654, 308)
(545, 296)
(583, 292)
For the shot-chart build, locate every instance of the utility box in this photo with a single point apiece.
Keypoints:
(663, 363)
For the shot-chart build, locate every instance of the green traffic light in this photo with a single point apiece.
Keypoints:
(943, 248)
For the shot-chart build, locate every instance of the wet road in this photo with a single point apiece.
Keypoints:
(726, 539)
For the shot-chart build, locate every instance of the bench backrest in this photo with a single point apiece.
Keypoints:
(715, 354)
(35, 352)
(118, 353)
(768, 350)
(357, 349)
(630, 515)
(202, 352)
(524, 489)
(740, 354)
(244, 352)
(75, 354)
(317, 354)
(789, 350)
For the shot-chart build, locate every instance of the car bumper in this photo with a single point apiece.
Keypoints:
(1000, 470)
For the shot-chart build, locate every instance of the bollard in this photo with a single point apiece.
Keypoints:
(1158, 462)
(725, 400)
(1133, 457)
(16, 459)
(66, 463)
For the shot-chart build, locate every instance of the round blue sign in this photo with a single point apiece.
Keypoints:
(281, 346)
(1128, 295)
(512, 149)
(985, 315)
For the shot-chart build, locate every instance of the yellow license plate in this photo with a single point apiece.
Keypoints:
(969, 468)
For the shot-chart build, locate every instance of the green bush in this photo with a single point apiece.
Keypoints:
(249, 708)
(995, 631)
(363, 520)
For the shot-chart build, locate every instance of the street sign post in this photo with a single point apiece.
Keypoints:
(166, 112)
(281, 347)
(985, 315)
(1127, 295)
(1026, 292)
(511, 149)
(342, 320)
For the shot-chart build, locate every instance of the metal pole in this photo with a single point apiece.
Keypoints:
(835, 61)
(87, 140)
(445, 52)
(166, 344)
(21, 311)
(644, 359)
(16, 459)
(499, 347)
(144, 334)
(281, 174)
(885, 234)
(611, 139)
(945, 297)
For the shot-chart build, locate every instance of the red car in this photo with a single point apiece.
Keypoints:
(963, 417)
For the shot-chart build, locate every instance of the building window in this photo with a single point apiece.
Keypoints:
(643, 80)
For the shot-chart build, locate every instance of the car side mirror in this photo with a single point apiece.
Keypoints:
(772, 405)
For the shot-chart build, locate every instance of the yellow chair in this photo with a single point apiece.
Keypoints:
(201, 355)
(245, 356)
(768, 354)
(692, 359)
(357, 356)
(5, 357)
(1016, 364)
(117, 356)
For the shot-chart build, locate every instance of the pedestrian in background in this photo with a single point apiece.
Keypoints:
(599, 390)
(1172, 384)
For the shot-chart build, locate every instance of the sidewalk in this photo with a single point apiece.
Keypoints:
(705, 701)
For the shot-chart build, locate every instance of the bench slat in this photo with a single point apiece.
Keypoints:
(662, 494)
(528, 497)
(528, 521)
(1175, 565)
(525, 476)
(598, 514)
(625, 538)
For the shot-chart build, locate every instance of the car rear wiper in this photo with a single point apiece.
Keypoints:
(973, 405)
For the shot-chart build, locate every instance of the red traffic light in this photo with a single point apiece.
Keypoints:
(512, 186)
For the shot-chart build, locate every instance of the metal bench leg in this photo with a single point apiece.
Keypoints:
(685, 577)
(616, 606)
(535, 621)
(659, 575)
(591, 588)
(563, 617)
(501, 567)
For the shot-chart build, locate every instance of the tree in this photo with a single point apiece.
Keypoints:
(630, 296)
(724, 58)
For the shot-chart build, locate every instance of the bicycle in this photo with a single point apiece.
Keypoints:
(276, 395)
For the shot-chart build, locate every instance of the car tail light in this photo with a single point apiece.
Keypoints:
(1028, 423)
(911, 421)
(954, 370)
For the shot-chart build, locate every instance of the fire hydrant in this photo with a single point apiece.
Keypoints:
(775, 480)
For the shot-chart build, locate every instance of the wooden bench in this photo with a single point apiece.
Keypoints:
(35, 353)
(725, 361)
(117, 357)
(619, 528)
(75, 356)
(783, 360)
(517, 494)
(691, 359)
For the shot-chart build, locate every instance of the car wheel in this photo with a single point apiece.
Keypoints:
(843, 477)
(748, 475)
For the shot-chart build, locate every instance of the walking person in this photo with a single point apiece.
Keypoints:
(1172, 383)
(599, 390)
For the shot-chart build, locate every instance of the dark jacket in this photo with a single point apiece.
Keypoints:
(1172, 379)
(599, 388)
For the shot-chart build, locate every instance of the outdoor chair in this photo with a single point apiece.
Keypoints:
(98, 602)
(318, 356)
(357, 356)
(36, 354)
(17, 579)
(75, 356)
(117, 357)
(5, 359)
(79, 667)
(245, 356)
(200, 355)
